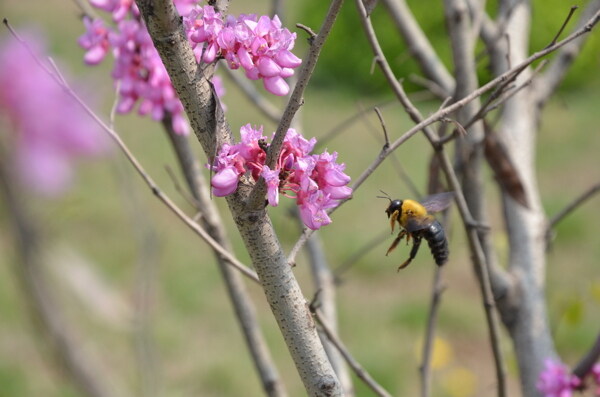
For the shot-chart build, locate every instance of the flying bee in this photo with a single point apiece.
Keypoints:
(416, 221)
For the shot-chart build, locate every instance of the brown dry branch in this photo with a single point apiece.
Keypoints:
(211, 128)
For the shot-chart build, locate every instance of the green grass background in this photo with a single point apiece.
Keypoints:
(198, 347)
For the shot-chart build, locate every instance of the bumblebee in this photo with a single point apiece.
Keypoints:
(416, 221)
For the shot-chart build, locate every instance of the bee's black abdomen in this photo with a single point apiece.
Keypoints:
(436, 238)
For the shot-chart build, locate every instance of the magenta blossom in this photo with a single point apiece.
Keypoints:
(143, 80)
(556, 380)
(50, 128)
(317, 182)
(258, 44)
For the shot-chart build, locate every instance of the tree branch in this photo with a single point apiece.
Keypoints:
(208, 122)
(238, 294)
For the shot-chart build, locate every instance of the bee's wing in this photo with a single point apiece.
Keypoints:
(418, 223)
(437, 202)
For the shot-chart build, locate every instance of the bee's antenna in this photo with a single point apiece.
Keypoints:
(387, 196)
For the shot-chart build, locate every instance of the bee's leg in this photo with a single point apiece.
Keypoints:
(393, 220)
(413, 252)
(396, 242)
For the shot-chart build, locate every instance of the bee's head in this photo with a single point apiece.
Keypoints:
(395, 205)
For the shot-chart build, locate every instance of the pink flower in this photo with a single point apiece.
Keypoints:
(556, 381)
(259, 45)
(95, 41)
(317, 182)
(50, 129)
(272, 179)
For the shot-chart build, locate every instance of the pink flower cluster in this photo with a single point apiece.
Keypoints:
(50, 129)
(317, 182)
(259, 45)
(556, 380)
(138, 68)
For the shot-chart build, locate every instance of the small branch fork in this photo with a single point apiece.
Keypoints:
(257, 197)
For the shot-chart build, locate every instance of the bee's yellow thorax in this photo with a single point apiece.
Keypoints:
(411, 208)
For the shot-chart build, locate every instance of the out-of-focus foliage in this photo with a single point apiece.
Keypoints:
(349, 67)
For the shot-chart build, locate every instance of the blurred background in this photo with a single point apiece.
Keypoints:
(108, 240)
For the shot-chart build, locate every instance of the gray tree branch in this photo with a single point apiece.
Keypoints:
(238, 294)
(208, 122)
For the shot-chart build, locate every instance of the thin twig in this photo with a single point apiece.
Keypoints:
(582, 198)
(564, 25)
(382, 122)
(360, 372)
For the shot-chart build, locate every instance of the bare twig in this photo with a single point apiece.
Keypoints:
(564, 25)
(360, 372)
(573, 205)
(382, 122)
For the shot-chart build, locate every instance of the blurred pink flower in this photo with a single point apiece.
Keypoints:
(50, 129)
(556, 380)
(317, 182)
